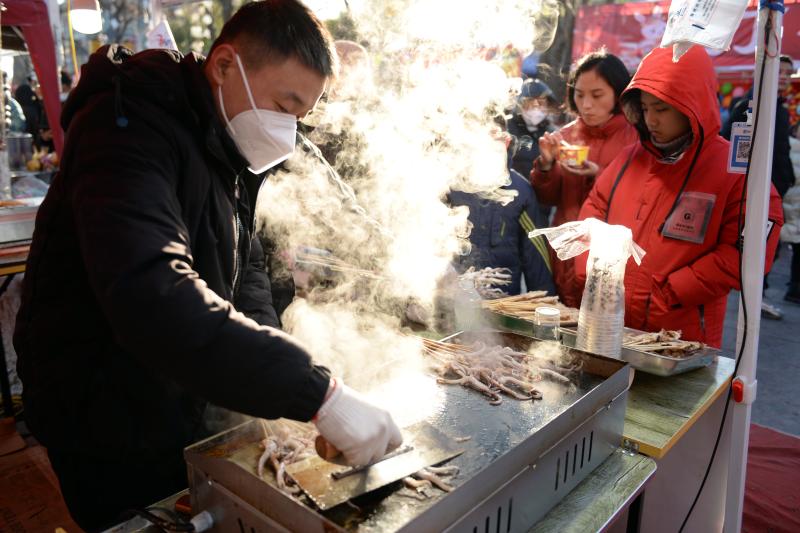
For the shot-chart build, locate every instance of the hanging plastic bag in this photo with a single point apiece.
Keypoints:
(602, 313)
(709, 23)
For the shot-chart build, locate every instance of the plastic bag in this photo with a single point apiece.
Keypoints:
(602, 314)
(573, 238)
(709, 23)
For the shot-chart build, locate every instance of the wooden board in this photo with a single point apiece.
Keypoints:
(661, 409)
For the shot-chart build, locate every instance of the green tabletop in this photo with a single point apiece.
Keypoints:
(601, 496)
(661, 409)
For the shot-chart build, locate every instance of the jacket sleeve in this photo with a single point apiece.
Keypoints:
(738, 114)
(714, 274)
(782, 169)
(776, 217)
(596, 204)
(534, 254)
(547, 184)
(255, 294)
(139, 262)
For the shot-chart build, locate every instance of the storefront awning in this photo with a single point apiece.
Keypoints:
(631, 30)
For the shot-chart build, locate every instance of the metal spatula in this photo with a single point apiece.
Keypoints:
(328, 484)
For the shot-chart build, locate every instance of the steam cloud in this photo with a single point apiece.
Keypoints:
(409, 122)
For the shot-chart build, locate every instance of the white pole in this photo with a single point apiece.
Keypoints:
(758, 192)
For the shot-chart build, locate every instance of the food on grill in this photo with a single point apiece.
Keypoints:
(494, 370)
(487, 279)
(664, 342)
(524, 306)
(285, 443)
(419, 484)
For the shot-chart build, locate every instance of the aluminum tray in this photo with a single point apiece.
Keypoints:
(653, 363)
(522, 458)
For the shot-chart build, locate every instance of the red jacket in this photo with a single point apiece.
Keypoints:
(680, 284)
(567, 191)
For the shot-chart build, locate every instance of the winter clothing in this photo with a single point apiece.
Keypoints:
(567, 191)
(790, 232)
(533, 88)
(680, 285)
(141, 266)
(524, 148)
(35, 116)
(783, 174)
(500, 237)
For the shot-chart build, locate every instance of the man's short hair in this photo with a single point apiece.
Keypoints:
(785, 58)
(275, 30)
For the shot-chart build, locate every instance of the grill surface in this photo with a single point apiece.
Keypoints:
(505, 441)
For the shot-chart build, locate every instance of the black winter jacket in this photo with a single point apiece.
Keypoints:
(526, 144)
(782, 169)
(132, 305)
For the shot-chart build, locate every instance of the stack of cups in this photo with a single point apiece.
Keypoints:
(602, 315)
(545, 323)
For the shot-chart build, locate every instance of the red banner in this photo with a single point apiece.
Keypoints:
(633, 29)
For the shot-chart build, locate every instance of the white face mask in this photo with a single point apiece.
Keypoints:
(533, 116)
(265, 138)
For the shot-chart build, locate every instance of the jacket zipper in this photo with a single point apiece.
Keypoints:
(238, 230)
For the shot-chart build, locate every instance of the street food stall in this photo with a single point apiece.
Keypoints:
(615, 451)
(523, 432)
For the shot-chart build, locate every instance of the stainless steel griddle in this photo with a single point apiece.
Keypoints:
(522, 458)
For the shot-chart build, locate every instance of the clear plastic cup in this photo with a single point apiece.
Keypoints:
(545, 323)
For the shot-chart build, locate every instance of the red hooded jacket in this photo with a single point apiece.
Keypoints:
(684, 279)
(567, 191)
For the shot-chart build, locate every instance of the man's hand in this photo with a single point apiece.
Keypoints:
(361, 431)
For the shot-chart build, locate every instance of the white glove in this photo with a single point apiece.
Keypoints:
(361, 431)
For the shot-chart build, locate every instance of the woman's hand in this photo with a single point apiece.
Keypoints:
(590, 169)
(548, 149)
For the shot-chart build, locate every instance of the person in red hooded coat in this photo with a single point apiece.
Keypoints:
(593, 90)
(673, 191)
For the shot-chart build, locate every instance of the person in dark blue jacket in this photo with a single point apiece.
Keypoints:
(500, 237)
(528, 122)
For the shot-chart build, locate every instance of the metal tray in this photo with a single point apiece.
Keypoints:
(653, 363)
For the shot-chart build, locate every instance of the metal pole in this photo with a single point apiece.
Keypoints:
(755, 236)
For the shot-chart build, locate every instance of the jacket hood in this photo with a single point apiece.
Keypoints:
(688, 85)
(164, 78)
(149, 86)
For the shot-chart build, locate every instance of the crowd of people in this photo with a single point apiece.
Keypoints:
(146, 294)
(660, 159)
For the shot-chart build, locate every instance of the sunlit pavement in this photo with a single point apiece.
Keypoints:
(778, 403)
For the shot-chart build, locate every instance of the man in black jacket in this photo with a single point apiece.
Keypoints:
(146, 294)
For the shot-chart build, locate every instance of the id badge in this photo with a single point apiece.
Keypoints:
(739, 154)
(689, 220)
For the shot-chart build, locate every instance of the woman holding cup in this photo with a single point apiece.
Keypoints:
(570, 159)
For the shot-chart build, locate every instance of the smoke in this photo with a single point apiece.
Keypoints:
(409, 121)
